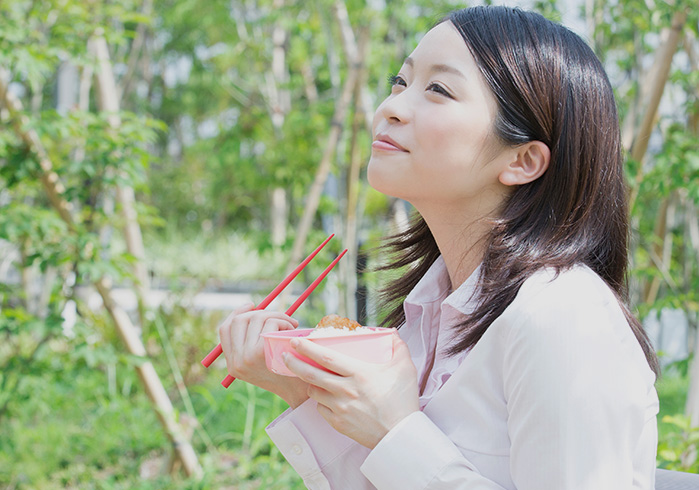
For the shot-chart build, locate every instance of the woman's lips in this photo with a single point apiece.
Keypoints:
(387, 144)
(384, 145)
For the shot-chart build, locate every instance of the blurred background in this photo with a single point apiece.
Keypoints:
(164, 161)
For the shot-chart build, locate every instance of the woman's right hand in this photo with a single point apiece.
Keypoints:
(243, 347)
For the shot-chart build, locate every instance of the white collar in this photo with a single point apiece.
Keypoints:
(435, 284)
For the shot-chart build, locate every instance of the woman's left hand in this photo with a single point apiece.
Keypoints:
(361, 400)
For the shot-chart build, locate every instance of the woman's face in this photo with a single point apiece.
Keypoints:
(433, 135)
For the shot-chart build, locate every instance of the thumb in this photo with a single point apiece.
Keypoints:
(400, 348)
(401, 354)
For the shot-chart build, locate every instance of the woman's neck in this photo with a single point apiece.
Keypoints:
(461, 239)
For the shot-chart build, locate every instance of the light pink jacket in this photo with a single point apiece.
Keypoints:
(557, 395)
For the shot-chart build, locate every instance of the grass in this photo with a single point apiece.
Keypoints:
(80, 419)
(73, 433)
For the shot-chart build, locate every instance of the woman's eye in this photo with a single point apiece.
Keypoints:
(439, 89)
(396, 80)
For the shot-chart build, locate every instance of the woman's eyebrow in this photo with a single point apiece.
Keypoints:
(438, 67)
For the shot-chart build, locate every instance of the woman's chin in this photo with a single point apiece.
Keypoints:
(379, 178)
(380, 185)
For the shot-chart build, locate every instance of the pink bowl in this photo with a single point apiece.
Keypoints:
(374, 347)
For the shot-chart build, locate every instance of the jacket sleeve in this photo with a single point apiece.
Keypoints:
(416, 454)
(323, 458)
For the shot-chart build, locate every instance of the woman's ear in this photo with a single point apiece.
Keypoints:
(529, 162)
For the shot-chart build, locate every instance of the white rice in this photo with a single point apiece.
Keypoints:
(333, 332)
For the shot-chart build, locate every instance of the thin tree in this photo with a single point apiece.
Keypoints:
(109, 102)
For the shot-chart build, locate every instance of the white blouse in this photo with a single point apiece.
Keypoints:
(556, 395)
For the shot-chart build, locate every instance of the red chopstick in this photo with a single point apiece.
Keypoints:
(213, 355)
(292, 309)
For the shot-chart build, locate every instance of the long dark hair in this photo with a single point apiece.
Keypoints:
(550, 87)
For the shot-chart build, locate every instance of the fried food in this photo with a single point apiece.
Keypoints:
(336, 321)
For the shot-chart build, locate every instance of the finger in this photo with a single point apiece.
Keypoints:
(321, 395)
(224, 328)
(248, 327)
(325, 401)
(224, 333)
(248, 311)
(276, 325)
(270, 314)
(252, 332)
(288, 325)
(265, 321)
(227, 322)
(330, 359)
(400, 348)
(310, 374)
(401, 353)
(239, 326)
(244, 308)
(258, 317)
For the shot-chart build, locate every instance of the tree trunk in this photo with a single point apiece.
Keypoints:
(661, 68)
(151, 382)
(280, 105)
(356, 161)
(136, 48)
(658, 249)
(279, 215)
(66, 87)
(659, 71)
(49, 179)
(109, 102)
(357, 53)
(314, 193)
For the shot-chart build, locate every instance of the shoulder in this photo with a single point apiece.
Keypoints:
(570, 299)
(570, 288)
(571, 326)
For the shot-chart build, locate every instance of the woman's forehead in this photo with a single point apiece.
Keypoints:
(442, 46)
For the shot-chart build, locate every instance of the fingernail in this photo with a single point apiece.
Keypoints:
(294, 342)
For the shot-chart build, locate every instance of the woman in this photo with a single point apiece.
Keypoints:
(516, 364)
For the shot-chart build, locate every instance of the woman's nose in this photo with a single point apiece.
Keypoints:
(396, 108)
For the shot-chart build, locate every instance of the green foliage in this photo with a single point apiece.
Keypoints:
(39, 231)
(673, 176)
(678, 449)
(676, 165)
(676, 438)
